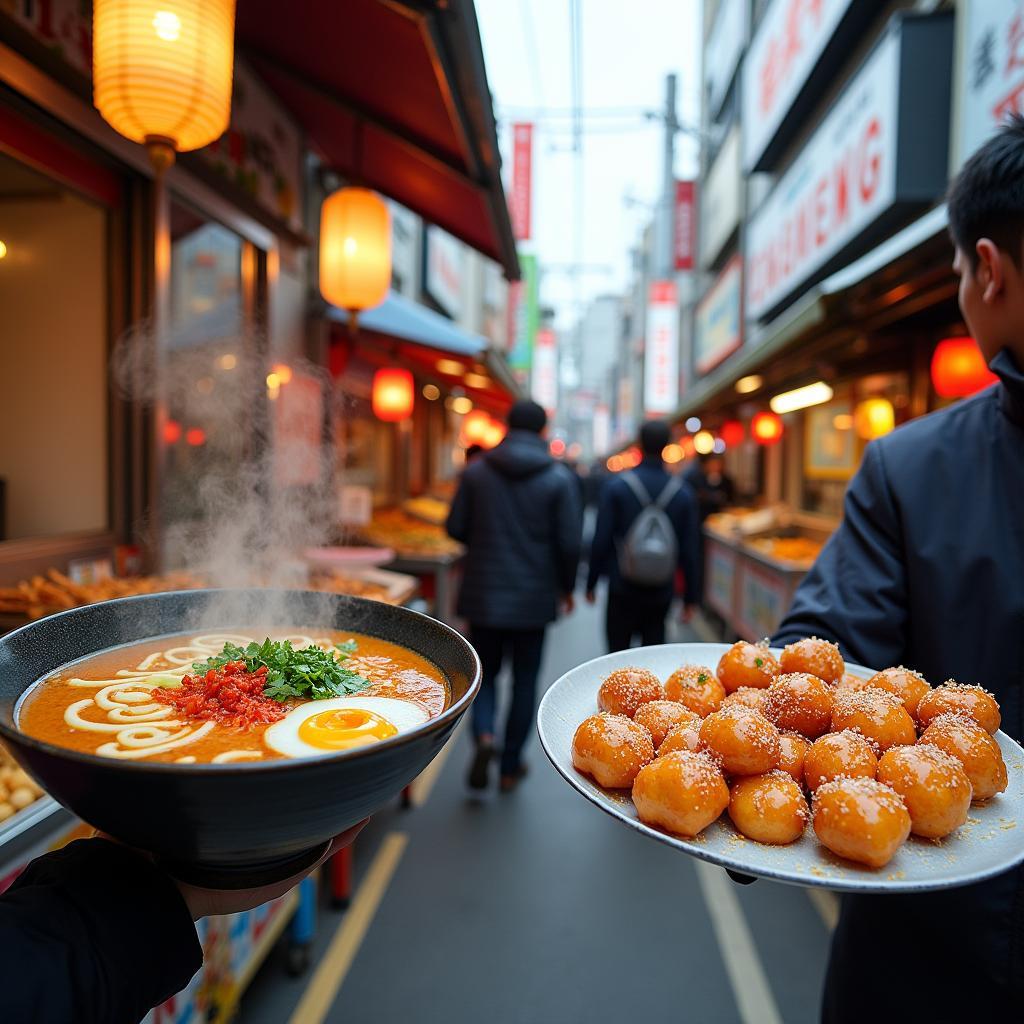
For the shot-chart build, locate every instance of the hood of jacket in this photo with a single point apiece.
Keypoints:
(521, 454)
(1011, 396)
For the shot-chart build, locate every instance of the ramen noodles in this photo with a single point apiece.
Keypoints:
(228, 697)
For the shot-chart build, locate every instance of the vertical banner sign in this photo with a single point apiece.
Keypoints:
(522, 180)
(661, 353)
(526, 319)
(545, 370)
(685, 223)
(992, 70)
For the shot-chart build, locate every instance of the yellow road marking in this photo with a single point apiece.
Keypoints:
(827, 905)
(330, 974)
(750, 986)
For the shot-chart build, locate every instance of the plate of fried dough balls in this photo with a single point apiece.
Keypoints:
(793, 765)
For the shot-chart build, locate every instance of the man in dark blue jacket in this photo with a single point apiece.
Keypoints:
(517, 511)
(927, 570)
(635, 610)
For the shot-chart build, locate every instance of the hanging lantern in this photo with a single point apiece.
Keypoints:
(475, 427)
(494, 434)
(958, 368)
(355, 249)
(162, 70)
(766, 428)
(393, 394)
(874, 417)
(732, 433)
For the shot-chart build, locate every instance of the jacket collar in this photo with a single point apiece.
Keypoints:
(1011, 390)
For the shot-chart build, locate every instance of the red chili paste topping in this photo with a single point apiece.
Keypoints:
(231, 695)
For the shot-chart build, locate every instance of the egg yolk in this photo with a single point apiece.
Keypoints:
(345, 729)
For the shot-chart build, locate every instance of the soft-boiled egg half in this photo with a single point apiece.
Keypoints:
(342, 723)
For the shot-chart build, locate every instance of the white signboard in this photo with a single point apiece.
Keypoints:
(544, 384)
(722, 50)
(443, 271)
(783, 53)
(718, 327)
(602, 429)
(841, 181)
(661, 352)
(720, 199)
(991, 69)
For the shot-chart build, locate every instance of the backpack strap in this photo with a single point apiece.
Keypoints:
(669, 491)
(638, 489)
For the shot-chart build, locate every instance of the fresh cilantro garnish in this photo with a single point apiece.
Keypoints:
(311, 673)
(702, 678)
(759, 662)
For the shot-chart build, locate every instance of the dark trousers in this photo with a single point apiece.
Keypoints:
(627, 617)
(526, 647)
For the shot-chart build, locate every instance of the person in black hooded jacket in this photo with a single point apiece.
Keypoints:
(926, 571)
(518, 512)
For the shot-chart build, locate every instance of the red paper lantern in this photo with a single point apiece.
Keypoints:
(172, 432)
(766, 428)
(195, 436)
(494, 434)
(393, 395)
(474, 427)
(958, 368)
(732, 433)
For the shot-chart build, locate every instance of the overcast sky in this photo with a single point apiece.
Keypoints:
(627, 50)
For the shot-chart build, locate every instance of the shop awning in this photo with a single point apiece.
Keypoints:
(407, 333)
(394, 94)
(908, 270)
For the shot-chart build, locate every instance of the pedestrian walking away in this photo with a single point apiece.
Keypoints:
(925, 571)
(647, 529)
(518, 512)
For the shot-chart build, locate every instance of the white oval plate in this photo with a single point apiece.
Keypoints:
(988, 844)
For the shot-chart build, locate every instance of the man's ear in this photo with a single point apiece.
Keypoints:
(990, 272)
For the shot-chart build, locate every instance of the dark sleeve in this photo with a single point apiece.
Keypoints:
(856, 592)
(602, 548)
(459, 515)
(688, 530)
(569, 535)
(93, 933)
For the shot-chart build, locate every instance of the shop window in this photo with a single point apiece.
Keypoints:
(54, 468)
(209, 395)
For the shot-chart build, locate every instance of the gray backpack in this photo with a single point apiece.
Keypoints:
(649, 552)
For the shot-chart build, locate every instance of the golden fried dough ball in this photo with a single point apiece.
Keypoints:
(752, 696)
(685, 736)
(818, 657)
(742, 739)
(904, 683)
(972, 701)
(839, 755)
(878, 714)
(974, 748)
(933, 785)
(611, 749)
(769, 808)
(792, 751)
(697, 687)
(747, 664)
(625, 689)
(799, 702)
(860, 819)
(682, 792)
(658, 716)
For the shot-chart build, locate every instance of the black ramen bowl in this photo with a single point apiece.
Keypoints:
(228, 825)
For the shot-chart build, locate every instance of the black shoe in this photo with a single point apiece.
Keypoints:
(509, 783)
(478, 770)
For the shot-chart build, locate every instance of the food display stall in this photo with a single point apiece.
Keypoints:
(753, 562)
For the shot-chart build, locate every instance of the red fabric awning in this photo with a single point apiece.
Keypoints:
(392, 93)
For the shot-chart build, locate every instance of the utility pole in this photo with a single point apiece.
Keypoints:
(665, 261)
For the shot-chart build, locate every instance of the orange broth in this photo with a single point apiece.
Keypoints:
(393, 671)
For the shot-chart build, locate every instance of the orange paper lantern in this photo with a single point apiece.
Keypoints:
(475, 427)
(766, 428)
(495, 434)
(162, 70)
(355, 249)
(958, 368)
(393, 394)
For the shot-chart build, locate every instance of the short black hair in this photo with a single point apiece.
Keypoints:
(654, 435)
(527, 415)
(986, 199)
(473, 451)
